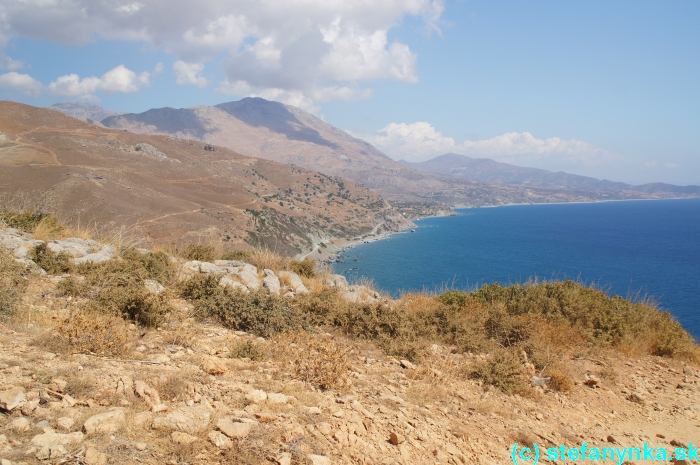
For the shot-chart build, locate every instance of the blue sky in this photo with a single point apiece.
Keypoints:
(607, 89)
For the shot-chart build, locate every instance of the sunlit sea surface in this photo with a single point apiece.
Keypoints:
(631, 248)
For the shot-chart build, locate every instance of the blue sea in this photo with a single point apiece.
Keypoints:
(630, 248)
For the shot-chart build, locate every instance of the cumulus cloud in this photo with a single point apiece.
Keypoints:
(116, 80)
(189, 73)
(23, 83)
(298, 47)
(421, 141)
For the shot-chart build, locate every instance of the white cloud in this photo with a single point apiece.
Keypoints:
(421, 141)
(20, 82)
(116, 80)
(189, 73)
(9, 63)
(292, 46)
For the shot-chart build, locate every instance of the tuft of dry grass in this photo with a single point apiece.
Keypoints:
(13, 283)
(319, 361)
(264, 258)
(248, 349)
(95, 333)
(305, 267)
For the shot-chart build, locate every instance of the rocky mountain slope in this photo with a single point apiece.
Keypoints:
(261, 128)
(171, 189)
(484, 169)
(197, 391)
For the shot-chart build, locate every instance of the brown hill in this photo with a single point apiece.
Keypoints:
(168, 188)
(272, 130)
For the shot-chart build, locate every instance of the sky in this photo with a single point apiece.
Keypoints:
(599, 88)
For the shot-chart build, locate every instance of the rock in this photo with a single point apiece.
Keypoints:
(266, 417)
(285, 458)
(314, 411)
(539, 381)
(147, 393)
(220, 440)
(52, 439)
(58, 385)
(107, 423)
(141, 446)
(271, 283)
(659, 435)
(591, 380)
(20, 425)
(248, 274)
(159, 408)
(611, 439)
(29, 407)
(226, 281)
(338, 281)
(95, 457)
(407, 365)
(233, 429)
(229, 263)
(277, 398)
(189, 420)
(213, 366)
(324, 428)
(51, 452)
(255, 396)
(293, 281)
(637, 397)
(688, 371)
(396, 439)
(12, 398)
(319, 460)
(153, 286)
(183, 438)
(65, 423)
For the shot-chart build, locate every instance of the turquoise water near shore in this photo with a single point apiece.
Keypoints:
(627, 248)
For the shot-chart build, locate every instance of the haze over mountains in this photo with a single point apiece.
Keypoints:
(286, 134)
(487, 170)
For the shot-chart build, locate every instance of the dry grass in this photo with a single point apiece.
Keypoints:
(13, 282)
(305, 267)
(319, 361)
(95, 333)
(248, 349)
(264, 258)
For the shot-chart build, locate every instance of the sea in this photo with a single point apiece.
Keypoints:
(637, 249)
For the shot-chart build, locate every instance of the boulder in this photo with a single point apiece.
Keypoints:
(271, 282)
(52, 452)
(189, 420)
(220, 440)
(153, 286)
(227, 281)
(20, 425)
(12, 398)
(248, 274)
(255, 396)
(57, 439)
(338, 281)
(319, 459)
(234, 430)
(293, 281)
(108, 422)
(213, 366)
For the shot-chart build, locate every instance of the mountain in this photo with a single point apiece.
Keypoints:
(171, 189)
(84, 111)
(487, 170)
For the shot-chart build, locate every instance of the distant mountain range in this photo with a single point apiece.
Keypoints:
(260, 128)
(84, 111)
(487, 170)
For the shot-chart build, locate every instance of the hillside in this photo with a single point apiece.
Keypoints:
(170, 189)
(486, 170)
(144, 358)
(261, 128)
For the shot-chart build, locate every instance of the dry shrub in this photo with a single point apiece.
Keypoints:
(237, 255)
(257, 312)
(28, 220)
(319, 361)
(305, 267)
(171, 387)
(248, 349)
(13, 283)
(200, 252)
(424, 393)
(48, 228)
(52, 262)
(503, 370)
(95, 333)
(560, 376)
(264, 258)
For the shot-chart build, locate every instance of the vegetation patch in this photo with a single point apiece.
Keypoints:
(13, 283)
(54, 263)
(305, 267)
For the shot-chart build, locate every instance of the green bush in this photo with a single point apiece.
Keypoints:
(457, 298)
(26, 220)
(52, 262)
(305, 267)
(258, 312)
(237, 255)
(156, 265)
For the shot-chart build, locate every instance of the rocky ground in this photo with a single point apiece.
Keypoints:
(186, 393)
